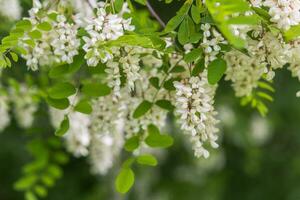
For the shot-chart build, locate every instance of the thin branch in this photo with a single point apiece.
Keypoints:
(90, 4)
(155, 15)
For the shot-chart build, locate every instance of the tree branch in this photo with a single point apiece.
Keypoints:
(155, 15)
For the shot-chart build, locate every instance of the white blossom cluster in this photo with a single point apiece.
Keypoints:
(104, 27)
(264, 56)
(285, 13)
(4, 112)
(194, 106)
(211, 42)
(10, 9)
(24, 104)
(59, 45)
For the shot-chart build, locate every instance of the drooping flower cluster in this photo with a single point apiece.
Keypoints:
(285, 13)
(4, 112)
(264, 56)
(103, 27)
(10, 9)
(24, 104)
(212, 40)
(59, 45)
(194, 103)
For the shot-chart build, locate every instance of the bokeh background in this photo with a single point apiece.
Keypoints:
(259, 158)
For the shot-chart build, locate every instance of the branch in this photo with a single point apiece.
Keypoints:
(155, 15)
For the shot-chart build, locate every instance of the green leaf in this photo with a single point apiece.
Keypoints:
(154, 81)
(196, 12)
(35, 34)
(194, 55)
(165, 104)
(132, 40)
(61, 90)
(84, 107)
(40, 191)
(176, 21)
(25, 182)
(118, 5)
(44, 26)
(64, 127)
(177, 69)
(132, 143)
(147, 159)
(169, 84)
(58, 71)
(143, 2)
(186, 30)
(14, 56)
(65, 69)
(153, 130)
(156, 140)
(96, 89)
(265, 96)
(142, 109)
(58, 103)
(216, 69)
(30, 196)
(125, 180)
(292, 33)
(24, 25)
(199, 67)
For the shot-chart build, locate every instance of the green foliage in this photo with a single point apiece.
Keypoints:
(216, 69)
(84, 107)
(147, 159)
(95, 90)
(44, 170)
(125, 180)
(142, 109)
(157, 140)
(259, 97)
(132, 143)
(64, 127)
(61, 90)
(58, 103)
(223, 13)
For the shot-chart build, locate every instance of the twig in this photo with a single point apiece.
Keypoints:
(155, 15)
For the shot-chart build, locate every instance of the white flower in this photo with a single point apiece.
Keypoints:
(285, 13)
(260, 130)
(59, 45)
(211, 42)
(65, 43)
(194, 107)
(4, 112)
(78, 136)
(107, 134)
(24, 105)
(104, 27)
(10, 9)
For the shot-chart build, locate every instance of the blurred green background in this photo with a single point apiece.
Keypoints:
(259, 158)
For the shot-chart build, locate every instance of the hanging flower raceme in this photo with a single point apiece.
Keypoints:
(103, 27)
(52, 42)
(194, 107)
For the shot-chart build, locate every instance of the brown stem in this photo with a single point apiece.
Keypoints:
(155, 15)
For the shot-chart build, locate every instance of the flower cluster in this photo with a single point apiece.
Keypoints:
(59, 45)
(103, 27)
(24, 104)
(211, 42)
(4, 112)
(194, 103)
(10, 9)
(285, 13)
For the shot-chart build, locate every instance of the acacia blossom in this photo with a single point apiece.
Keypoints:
(194, 107)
